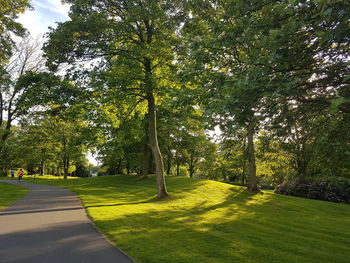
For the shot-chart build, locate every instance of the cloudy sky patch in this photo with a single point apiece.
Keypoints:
(45, 14)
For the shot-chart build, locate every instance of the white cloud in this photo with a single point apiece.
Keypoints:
(31, 21)
(45, 14)
(55, 6)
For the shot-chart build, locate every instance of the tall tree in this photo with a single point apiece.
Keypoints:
(259, 58)
(9, 10)
(135, 39)
(14, 98)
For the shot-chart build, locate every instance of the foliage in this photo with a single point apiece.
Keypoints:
(9, 10)
(333, 189)
(132, 42)
(45, 144)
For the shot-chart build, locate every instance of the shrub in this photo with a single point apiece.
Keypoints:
(334, 189)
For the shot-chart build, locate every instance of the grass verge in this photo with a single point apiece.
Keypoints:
(10, 193)
(206, 221)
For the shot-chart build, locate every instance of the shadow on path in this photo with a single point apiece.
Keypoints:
(50, 225)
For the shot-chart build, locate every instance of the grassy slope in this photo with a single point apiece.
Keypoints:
(10, 193)
(206, 221)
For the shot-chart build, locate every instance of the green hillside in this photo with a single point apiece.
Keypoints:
(206, 221)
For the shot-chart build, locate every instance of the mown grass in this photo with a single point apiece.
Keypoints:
(10, 193)
(206, 221)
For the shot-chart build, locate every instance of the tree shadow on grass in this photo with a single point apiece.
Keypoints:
(242, 228)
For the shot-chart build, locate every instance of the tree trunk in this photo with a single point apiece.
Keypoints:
(301, 160)
(152, 133)
(177, 169)
(301, 169)
(118, 169)
(146, 151)
(151, 163)
(244, 166)
(128, 167)
(252, 179)
(5, 134)
(65, 167)
(153, 139)
(190, 167)
(41, 170)
(145, 163)
(168, 166)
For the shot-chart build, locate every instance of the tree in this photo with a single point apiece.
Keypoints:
(9, 10)
(15, 99)
(35, 146)
(259, 59)
(66, 139)
(135, 40)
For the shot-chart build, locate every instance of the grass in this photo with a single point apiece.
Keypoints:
(206, 221)
(10, 193)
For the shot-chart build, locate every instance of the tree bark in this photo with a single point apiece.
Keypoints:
(168, 166)
(252, 179)
(6, 133)
(118, 168)
(146, 151)
(152, 132)
(41, 170)
(65, 167)
(128, 167)
(153, 139)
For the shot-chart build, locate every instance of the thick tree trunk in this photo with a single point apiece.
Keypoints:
(153, 139)
(252, 179)
(152, 124)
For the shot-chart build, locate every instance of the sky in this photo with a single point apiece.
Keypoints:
(45, 14)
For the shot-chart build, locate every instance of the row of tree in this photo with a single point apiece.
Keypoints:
(145, 80)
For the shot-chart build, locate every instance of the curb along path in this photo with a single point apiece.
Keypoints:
(49, 225)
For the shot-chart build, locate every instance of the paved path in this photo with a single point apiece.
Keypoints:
(49, 225)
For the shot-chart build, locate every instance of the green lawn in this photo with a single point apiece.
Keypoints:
(10, 193)
(206, 221)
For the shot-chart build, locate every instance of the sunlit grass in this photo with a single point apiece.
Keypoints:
(48, 177)
(36, 176)
(10, 193)
(206, 221)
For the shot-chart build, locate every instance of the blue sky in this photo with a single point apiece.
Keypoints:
(46, 13)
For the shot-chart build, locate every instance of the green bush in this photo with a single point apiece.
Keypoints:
(333, 189)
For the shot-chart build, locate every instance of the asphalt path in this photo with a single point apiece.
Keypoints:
(49, 225)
